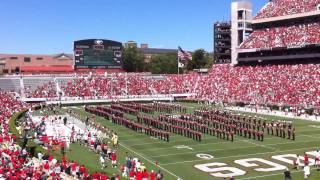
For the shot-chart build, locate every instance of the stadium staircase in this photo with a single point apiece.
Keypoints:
(58, 89)
(62, 82)
(196, 85)
(23, 95)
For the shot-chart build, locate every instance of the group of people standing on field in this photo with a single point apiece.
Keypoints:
(282, 129)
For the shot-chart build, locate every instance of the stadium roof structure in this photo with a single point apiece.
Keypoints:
(46, 69)
(61, 55)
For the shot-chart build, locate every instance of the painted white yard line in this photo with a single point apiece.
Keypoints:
(158, 142)
(314, 136)
(244, 147)
(237, 140)
(259, 145)
(194, 145)
(150, 161)
(237, 156)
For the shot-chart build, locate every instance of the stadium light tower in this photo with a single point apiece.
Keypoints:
(241, 17)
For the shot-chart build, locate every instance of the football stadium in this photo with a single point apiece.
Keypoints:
(253, 113)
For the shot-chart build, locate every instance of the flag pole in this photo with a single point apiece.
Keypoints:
(178, 64)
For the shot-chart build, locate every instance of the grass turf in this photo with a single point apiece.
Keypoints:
(174, 162)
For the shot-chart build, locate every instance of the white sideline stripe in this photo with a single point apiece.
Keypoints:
(293, 142)
(244, 155)
(150, 161)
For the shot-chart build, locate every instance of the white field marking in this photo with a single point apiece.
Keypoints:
(183, 147)
(310, 136)
(314, 126)
(205, 144)
(244, 147)
(161, 142)
(245, 155)
(130, 136)
(72, 107)
(195, 145)
(205, 156)
(237, 140)
(150, 161)
(259, 145)
(275, 174)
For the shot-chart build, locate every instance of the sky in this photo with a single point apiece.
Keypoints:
(51, 26)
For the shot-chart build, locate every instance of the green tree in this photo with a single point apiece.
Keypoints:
(163, 64)
(210, 60)
(133, 60)
(199, 60)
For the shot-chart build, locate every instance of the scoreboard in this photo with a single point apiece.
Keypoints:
(97, 54)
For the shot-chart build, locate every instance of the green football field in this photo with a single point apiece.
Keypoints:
(177, 158)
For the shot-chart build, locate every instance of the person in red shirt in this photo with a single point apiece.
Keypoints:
(73, 169)
(95, 176)
(46, 167)
(103, 177)
(114, 159)
(145, 175)
(139, 175)
(152, 175)
(62, 144)
(50, 158)
(82, 170)
(131, 174)
(306, 159)
(86, 176)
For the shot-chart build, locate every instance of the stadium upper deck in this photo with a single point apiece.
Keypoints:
(284, 31)
(276, 8)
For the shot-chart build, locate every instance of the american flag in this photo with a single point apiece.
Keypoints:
(184, 55)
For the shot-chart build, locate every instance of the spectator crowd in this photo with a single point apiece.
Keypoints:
(292, 85)
(275, 8)
(284, 36)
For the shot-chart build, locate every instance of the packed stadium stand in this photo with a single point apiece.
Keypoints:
(37, 88)
(277, 84)
(273, 84)
(275, 8)
(284, 32)
(284, 36)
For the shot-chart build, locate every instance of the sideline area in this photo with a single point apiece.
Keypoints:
(275, 113)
